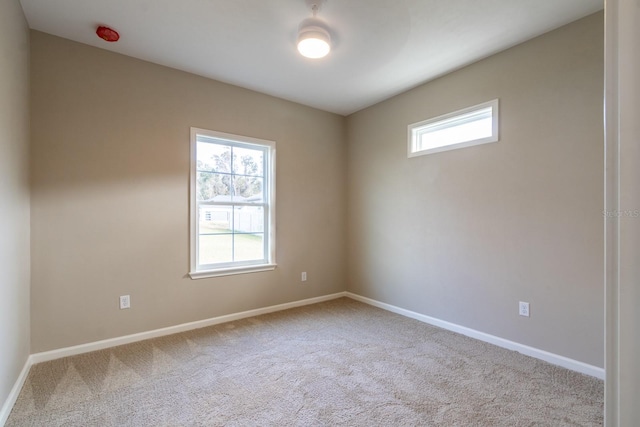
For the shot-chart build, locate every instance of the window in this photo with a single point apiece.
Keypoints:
(464, 128)
(232, 204)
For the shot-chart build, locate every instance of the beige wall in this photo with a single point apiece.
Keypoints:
(14, 195)
(464, 235)
(110, 195)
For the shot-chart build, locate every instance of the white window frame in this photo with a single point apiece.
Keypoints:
(451, 120)
(269, 263)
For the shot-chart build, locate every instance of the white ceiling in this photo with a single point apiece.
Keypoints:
(381, 47)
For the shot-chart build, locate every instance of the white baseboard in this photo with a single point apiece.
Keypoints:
(127, 339)
(554, 359)
(15, 392)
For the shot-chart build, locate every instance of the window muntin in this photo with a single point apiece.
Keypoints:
(464, 128)
(232, 204)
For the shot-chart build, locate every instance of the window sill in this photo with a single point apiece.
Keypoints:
(231, 271)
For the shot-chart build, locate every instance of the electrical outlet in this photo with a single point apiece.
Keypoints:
(125, 301)
(524, 309)
(304, 276)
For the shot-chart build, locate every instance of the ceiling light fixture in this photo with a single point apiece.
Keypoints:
(314, 40)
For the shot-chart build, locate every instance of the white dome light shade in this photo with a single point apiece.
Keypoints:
(314, 40)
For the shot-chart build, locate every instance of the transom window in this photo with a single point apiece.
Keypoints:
(464, 128)
(232, 204)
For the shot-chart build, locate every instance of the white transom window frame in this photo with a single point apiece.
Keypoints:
(451, 120)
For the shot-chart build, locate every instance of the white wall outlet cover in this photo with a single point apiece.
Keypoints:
(125, 302)
(523, 309)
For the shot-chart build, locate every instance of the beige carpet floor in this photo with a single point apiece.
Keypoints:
(339, 363)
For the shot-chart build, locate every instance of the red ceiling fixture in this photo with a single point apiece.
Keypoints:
(107, 34)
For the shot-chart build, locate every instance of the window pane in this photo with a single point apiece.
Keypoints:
(215, 219)
(459, 133)
(248, 189)
(248, 219)
(213, 186)
(247, 161)
(248, 247)
(215, 248)
(213, 157)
